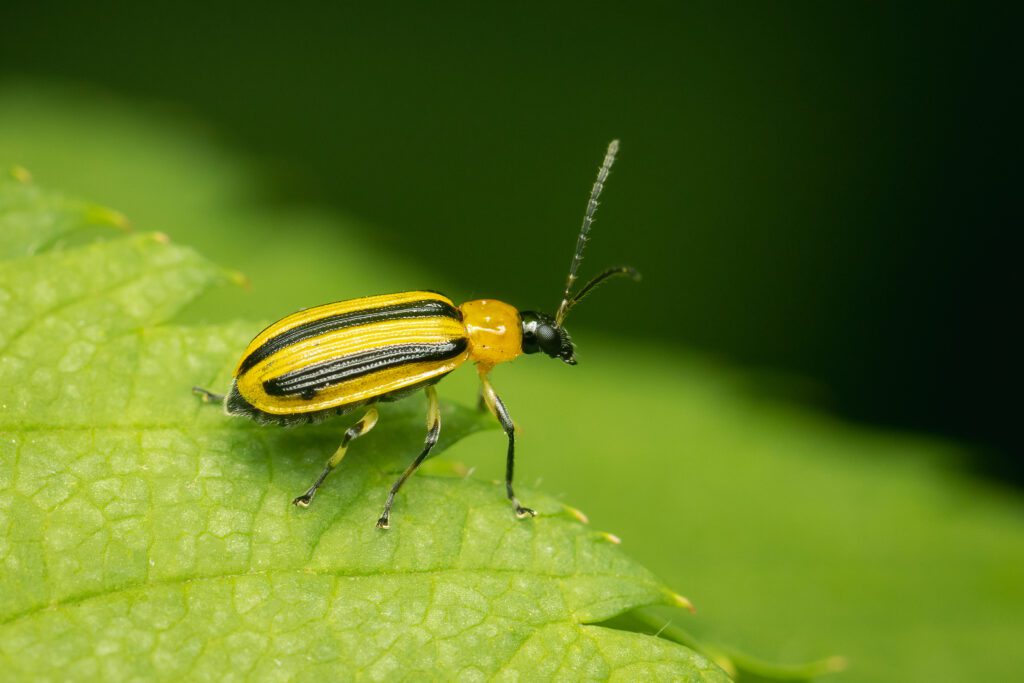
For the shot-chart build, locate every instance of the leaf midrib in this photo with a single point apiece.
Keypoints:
(369, 574)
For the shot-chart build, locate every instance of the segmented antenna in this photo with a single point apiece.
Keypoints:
(628, 271)
(588, 219)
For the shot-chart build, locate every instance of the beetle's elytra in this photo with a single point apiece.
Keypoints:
(335, 358)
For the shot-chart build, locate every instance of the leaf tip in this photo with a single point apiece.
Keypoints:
(681, 601)
(102, 215)
(836, 664)
(237, 277)
(576, 514)
(727, 665)
(21, 174)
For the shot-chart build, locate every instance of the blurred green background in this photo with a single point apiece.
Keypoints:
(814, 193)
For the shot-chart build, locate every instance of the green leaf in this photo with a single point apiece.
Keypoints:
(32, 220)
(797, 534)
(145, 535)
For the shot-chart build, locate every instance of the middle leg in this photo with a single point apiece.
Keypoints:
(433, 431)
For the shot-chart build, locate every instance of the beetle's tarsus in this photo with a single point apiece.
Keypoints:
(523, 512)
(303, 501)
(383, 522)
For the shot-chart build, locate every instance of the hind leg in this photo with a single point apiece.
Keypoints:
(364, 425)
(207, 396)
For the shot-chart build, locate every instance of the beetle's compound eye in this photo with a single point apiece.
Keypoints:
(540, 333)
(531, 321)
(548, 339)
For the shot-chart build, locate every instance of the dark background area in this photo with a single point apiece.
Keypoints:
(818, 189)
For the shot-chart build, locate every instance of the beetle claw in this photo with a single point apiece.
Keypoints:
(523, 513)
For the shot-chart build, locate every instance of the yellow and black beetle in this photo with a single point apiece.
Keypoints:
(332, 359)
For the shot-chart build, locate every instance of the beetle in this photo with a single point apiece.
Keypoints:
(336, 358)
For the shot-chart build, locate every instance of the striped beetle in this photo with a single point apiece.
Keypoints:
(335, 358)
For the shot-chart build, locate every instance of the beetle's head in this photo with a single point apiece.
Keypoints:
(542, 333)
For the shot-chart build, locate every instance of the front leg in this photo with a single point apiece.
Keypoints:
(497, 408)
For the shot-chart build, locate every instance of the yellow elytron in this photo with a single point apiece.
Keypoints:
(332, 359)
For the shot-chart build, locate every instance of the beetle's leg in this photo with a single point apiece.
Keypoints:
(498, 409)
(207, 396)
(364, 425)
(433, 431)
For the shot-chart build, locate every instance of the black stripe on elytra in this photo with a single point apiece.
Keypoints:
(307, 381)
(425, 308)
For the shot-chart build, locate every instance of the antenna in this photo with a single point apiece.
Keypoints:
(588, 219)
(629, 271)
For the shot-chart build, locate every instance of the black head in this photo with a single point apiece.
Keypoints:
(542, 333)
